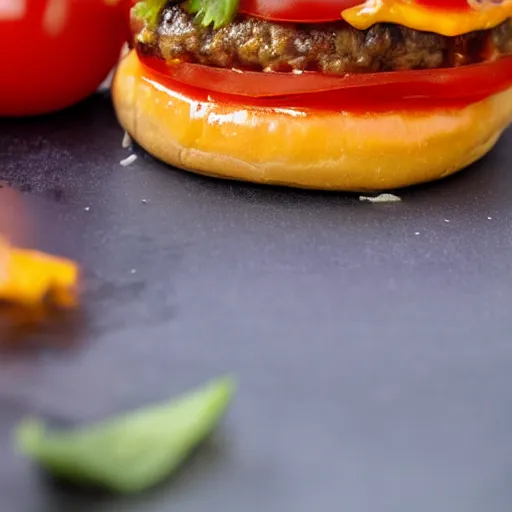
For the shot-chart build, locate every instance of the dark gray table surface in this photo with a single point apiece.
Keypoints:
(372, 343)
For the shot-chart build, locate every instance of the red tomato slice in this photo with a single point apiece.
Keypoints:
(54, 54)
(318, 11)
(354, 100)
(447, 4)
(446, 83)
(314, 11)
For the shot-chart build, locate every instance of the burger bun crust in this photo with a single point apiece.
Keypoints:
(317, 150)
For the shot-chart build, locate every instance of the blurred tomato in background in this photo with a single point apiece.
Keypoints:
(54, 53)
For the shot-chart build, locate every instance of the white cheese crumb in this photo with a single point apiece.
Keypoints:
(382, 198)
(127, 140)
(489, 218)
(417, 233)
(87, 208)
(128, 160)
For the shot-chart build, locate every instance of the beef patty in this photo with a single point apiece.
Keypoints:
(328, 47)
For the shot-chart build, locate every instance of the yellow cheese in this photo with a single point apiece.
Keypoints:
(29, 277)
(441, 21)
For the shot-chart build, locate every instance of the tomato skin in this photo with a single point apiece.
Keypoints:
(318, 11)
(460, 5)
(445, 84)
(43, 72)
(358, 101)
(297, 11)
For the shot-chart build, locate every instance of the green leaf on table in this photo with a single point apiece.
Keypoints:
(132, 452)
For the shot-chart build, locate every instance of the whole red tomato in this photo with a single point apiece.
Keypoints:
(54, 53)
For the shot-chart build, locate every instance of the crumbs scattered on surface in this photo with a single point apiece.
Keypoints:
(447, 220)
(128, 160)
(144, 201)
(127, 140)
(417, 233)
(489, 218)
(381, 198)
(87, 209)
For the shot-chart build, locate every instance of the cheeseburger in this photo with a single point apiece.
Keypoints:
(327, 94)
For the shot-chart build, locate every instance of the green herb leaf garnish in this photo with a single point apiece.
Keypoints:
(149, 11)
(214, 12)
(133, 452)
(209, 12)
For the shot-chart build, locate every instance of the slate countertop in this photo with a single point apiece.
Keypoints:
(372, 343)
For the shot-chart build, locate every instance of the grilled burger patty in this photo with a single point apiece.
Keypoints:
(329, 47)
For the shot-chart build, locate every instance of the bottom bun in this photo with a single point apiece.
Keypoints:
(336, 151)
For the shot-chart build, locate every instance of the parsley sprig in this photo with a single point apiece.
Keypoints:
(149, 11)
(216, 13)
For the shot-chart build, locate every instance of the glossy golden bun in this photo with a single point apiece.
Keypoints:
(337, 151)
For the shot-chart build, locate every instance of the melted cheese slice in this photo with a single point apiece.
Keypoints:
(440, 21)
(29, 277)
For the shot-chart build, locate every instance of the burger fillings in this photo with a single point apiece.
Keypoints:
(336, 48)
